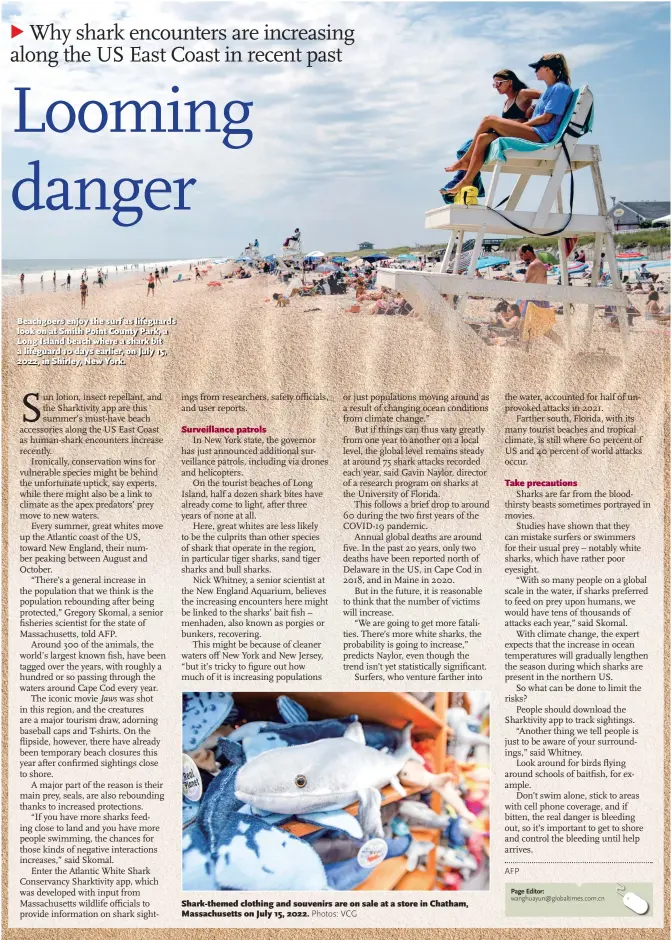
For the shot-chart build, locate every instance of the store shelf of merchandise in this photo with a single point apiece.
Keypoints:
(386, 876)
(390, 872)
(417, 881)
(395, 709)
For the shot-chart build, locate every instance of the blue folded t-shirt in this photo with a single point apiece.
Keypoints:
(554, 100)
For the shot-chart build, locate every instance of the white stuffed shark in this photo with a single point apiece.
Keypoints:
(325, 775)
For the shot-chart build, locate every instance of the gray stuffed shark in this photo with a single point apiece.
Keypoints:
(324, 775)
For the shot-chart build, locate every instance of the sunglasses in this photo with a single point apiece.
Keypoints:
(499, 82)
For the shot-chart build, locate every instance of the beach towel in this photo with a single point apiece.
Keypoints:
(497, 149)
(537, 321)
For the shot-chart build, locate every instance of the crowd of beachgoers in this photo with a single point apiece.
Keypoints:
(304, 282)
(497, 324)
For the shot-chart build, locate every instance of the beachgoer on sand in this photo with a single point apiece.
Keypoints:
(150, 284)
(198, 277)
(540, 128)
(508, 318)
(536, 273)
(281, 300)
(22, 278)
(68, 281)
(652, 307)
(83, 292)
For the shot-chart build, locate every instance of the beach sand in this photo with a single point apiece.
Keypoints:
(237, 332)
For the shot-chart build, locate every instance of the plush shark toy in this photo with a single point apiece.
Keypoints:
(415, 774)
(324, 775)
(419, 814)
(465, 737)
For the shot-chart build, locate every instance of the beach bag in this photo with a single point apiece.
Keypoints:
(477, 180)
(468, 196)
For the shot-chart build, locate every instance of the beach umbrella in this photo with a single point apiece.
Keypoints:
(490, 262)
(316, 254)
(243, 258)
(407, 257)
(269, 258)
(375, 257)
(340, 259)
(327, 267)
(630, 256)
(547, 257)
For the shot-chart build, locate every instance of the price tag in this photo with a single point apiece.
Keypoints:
(372, 853)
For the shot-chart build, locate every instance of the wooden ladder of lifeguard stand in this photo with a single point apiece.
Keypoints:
(427, 290)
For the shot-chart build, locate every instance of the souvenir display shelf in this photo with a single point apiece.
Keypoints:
(395, 709)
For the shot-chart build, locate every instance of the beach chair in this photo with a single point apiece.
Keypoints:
(524, 158)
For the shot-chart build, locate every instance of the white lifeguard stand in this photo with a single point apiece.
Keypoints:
(253, 251)
(426, 290)
(294, 253)
(295, 247)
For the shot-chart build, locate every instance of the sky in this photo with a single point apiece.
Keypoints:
(348, 151)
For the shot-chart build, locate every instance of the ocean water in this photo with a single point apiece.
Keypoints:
(39, 272)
